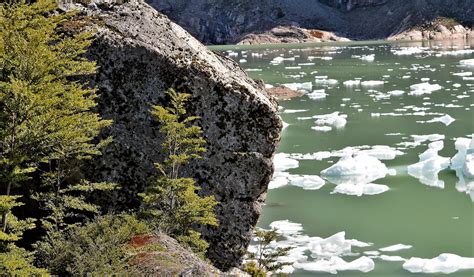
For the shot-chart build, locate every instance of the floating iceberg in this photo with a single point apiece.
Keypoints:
(430, 164)
(396, 247)
(444, 263)
(372, 83)
(294, 111)
(333, 119)
(469, 62)
(317, 94)
(392, 258)
(445, 119)
(360, 189)
(335, 264)
(463, 74)
(396, 92)
(424, 88)
(408, 51)
(368, 58)
(306, 182)
(463, 164)
(308, 86)
(323, 250)
(322, 128)
(283, 162)
(352, 83)
(353, 175)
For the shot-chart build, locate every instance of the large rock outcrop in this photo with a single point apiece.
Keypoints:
(140, 54)
(224, 22)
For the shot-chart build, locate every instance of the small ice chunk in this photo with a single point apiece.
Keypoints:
(294, 111)
(463, 74)
(396, 92)
(308, 86)
(367, 167)
(395, 247)
(430, 164)
(283, 162)
(372, 83)
(408, 51)
(322, 128)
(335, 264)
(286, 227)
(444, 263)
(368, 58)
(351, 83)
(424, 88)
(392, 258)
(317, 94)
(327, 82)
(333, 119)
(360, 189)
(445, 119)
(469, 62)
(307, 182)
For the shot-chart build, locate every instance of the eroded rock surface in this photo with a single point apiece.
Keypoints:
(227, 22)
(140, 54)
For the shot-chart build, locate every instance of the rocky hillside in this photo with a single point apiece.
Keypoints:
(222, 22)
(140, 54)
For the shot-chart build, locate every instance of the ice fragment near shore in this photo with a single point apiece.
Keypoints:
(424, 88)
(430, 164)
(445, 263)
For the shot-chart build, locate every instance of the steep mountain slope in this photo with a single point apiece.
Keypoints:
(220, 21)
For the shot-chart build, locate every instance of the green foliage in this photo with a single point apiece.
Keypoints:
(46, 118)
(47, 126)
(98, 248)
(171, 202)
(266, 258)
(16, 261)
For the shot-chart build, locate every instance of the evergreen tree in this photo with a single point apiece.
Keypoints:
(266, 258)
(47, 126)
(171, 202)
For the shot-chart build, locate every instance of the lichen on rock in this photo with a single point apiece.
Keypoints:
(140, 54)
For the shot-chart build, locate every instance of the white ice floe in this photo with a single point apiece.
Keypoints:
(334, 119)
(381, 152)
(418, 139)
(444, 263)
(306, 182)
(286, 227)
(368, 58)
(469, 62)
(445, 119)
(317, 94)
(308, 86)
(372, 83)
(463, 74)
(323, 251)
(395, 247)
(463, 164)
(351, 83)
(283, 162)
(392, 258)
(424, 88)
(396, 92)
(285, 125)
(279, 60)
(294, 111)
(322, 128)
(253, 69)
(360, 189)
(335, 264)
(408, 51)
(457, 52)
(326, 82)
(430, 164)
(353, 175)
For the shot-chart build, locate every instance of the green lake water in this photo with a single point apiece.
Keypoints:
(433, 220)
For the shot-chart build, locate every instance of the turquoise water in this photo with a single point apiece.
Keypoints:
(431, 219)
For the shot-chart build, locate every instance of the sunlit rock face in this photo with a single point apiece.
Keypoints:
(140, 54)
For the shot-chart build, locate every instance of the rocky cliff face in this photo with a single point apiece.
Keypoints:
(140, 54)
(221, 22)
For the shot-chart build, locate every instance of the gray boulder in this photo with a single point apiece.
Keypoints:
(140, 54)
